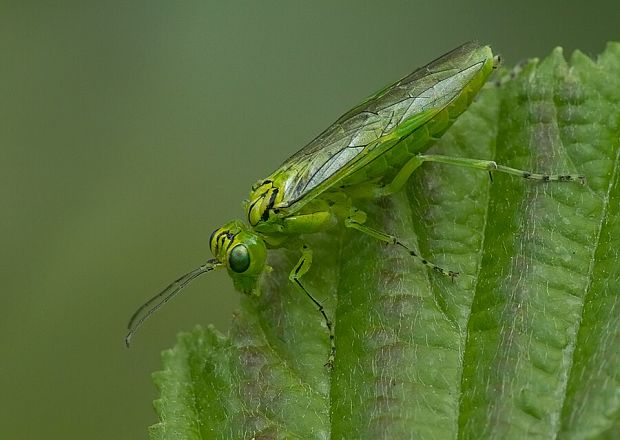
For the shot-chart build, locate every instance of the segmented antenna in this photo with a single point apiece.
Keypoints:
(145, 311)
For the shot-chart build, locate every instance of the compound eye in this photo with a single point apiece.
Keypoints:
(239, 259)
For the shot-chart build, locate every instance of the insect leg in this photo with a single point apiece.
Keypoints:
(375, 190)
(490, 165)
(401, 177)
(298, 271)
(356, 221)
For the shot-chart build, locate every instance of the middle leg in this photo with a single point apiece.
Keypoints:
(356, 221)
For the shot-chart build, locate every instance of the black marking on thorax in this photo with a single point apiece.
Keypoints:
(272, 192)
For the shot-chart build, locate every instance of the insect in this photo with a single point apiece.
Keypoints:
(369, 152)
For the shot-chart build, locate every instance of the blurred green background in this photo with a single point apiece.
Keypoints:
(130, 130)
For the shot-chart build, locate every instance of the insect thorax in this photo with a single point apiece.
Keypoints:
(264, 196)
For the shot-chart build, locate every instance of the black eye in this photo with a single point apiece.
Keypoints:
(239, 259)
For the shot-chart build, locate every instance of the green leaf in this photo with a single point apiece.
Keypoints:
(524, 343)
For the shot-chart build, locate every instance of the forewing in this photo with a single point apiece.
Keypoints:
(361, 134)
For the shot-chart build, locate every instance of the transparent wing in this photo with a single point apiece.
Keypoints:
(368, 130)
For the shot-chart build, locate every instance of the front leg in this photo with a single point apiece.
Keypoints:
(302, 266)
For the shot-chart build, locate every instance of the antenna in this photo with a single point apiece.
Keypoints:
(145, 311)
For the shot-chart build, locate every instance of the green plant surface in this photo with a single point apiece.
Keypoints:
(524, 343)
